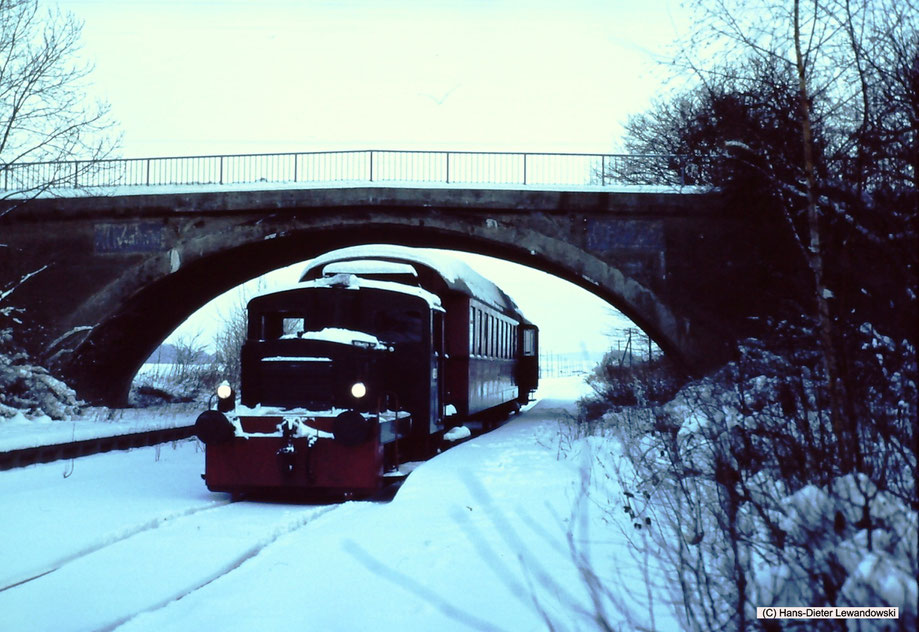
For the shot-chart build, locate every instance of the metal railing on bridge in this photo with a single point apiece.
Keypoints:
(359, 166)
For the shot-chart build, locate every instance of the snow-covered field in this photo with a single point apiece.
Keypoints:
(479, 537)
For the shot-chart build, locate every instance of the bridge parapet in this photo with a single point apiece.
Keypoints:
(459, 168)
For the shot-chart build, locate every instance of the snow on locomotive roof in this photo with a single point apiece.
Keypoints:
(457, 275)
(354, 282)
(343, 337)
(364, 266)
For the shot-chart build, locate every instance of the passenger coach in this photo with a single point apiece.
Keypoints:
(362, 366)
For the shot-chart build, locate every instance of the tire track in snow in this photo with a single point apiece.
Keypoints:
(241, 559)
(112, 538)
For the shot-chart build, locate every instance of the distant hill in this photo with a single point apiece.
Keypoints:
(168, 353)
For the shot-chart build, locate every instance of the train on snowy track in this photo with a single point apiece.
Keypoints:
(362, 366)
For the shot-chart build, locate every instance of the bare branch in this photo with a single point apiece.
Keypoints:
(44, 112)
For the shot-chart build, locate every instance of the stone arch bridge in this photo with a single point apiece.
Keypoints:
(117, 274)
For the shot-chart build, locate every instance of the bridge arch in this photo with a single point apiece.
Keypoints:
(119, 273)
(148, 301)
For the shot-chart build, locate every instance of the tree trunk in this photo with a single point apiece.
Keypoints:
(837, 388)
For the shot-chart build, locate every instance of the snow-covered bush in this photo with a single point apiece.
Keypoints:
(187, 373)
(25, 387)
(620, 384)
(738, 486)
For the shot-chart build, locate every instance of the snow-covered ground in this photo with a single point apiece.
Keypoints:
(479, 537)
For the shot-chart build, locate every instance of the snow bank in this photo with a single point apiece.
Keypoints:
(21, 431)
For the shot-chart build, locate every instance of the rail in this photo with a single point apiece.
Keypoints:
(359, 166)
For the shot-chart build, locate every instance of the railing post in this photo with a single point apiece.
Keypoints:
(221, 170)
(602, 170)
(524, 169)
(76, 172)
(371, 165)
(448, 167)
(295, 167)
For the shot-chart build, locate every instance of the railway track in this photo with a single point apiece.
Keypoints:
(168, 557)
(85, 447)
(125, 533)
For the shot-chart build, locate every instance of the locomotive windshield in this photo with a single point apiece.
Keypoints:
(314, 311)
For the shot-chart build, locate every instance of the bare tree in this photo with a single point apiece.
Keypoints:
(229, 341)
(810, 108)
(45, 116)
(230, 338)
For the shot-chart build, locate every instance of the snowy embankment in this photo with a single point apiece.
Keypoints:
(493, 534)
(19, 431)
(49, 413)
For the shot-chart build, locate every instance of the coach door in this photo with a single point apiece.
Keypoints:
(438, 377)
(527, 362)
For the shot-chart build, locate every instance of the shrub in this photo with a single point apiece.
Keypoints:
(737, 485)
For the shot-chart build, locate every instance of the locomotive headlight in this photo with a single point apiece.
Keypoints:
(358, 390)
(226, 398)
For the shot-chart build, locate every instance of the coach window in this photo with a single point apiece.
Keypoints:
(491, 335)
(497, 337)
(529, 342)
(479, 327)
(481, 337)
(471, 330)
(477, 344)
(499, 351)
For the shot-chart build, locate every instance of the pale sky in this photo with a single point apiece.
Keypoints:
(225, 76)
(191, 77)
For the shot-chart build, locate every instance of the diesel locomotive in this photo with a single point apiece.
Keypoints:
(362, 366)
